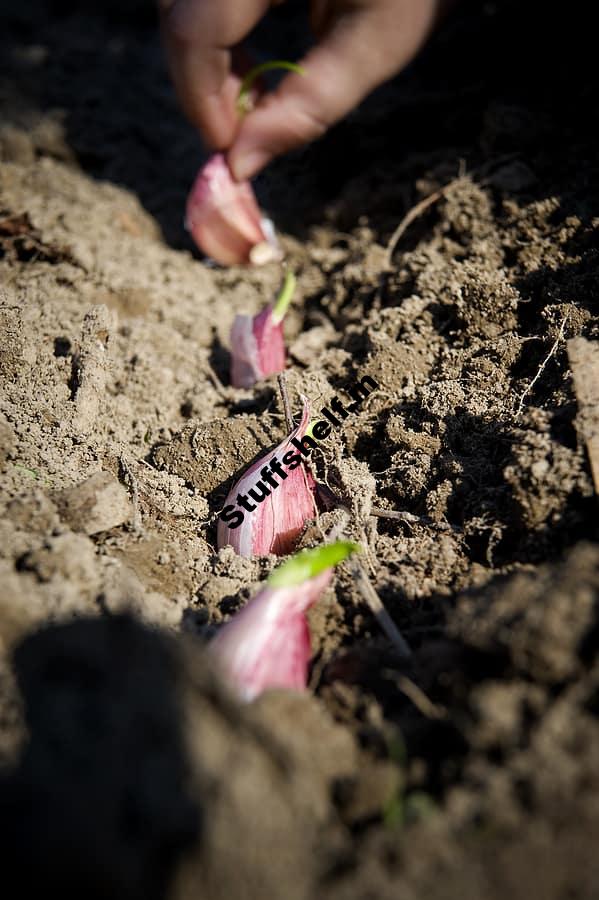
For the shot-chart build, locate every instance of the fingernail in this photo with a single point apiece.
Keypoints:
(244, 164)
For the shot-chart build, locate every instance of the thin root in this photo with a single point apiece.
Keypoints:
(410, 217)
(541, 368)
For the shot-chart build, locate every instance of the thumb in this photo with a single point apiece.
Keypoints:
(361, 51)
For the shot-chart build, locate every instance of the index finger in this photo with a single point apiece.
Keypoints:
(199, 35)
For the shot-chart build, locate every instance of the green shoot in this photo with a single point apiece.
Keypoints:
(244, 100)
(308, 563)
(284, 299)
(310, 428)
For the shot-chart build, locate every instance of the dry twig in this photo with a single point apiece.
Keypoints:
(385, 622)
(381, 513)
(414, 693)
(410, 217)
(131, 482)
(285, 400)
(424, 204)
(213, 378)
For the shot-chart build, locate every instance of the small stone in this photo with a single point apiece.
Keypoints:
(97, 504)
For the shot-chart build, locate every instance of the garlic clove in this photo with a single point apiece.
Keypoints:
(275, 524)
(266, 644)
(224, 218)
(257, 348)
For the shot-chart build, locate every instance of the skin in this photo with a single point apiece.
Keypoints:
(360, 44)
(244, 501)
(268, 477)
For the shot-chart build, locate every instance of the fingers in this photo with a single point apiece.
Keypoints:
(198, 35)
(365, 47)
(366, 42)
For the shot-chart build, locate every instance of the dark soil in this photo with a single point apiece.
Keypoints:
(473, 770)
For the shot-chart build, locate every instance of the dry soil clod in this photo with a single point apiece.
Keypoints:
(97, 504)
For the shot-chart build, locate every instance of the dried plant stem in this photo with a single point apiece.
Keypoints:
(365, 586)
(213, 377)
(285, 400)
(385, 622)
(541, 368)
(417, 696)
(131, 481)
(380, 513)
(424, 204)
(410, 216)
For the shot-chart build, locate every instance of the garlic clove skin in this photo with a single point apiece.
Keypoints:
(245, 361)
(277, 522)
(266, 645)
(257, 348)
(224, 218)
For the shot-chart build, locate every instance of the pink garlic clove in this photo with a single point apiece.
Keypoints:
(225, 220)
(257, 343)
(276, 523)
(267, 643)
(257, 348)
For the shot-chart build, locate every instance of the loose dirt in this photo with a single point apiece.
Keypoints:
(470, 771)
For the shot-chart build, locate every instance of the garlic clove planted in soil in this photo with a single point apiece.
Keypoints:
(267, 644)
(257, 348)
(267, 508)
(257, 343)
(225, 220)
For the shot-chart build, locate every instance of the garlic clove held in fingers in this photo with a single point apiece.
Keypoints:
(225, 220)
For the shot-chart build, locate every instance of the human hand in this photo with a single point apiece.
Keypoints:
(361, 43)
